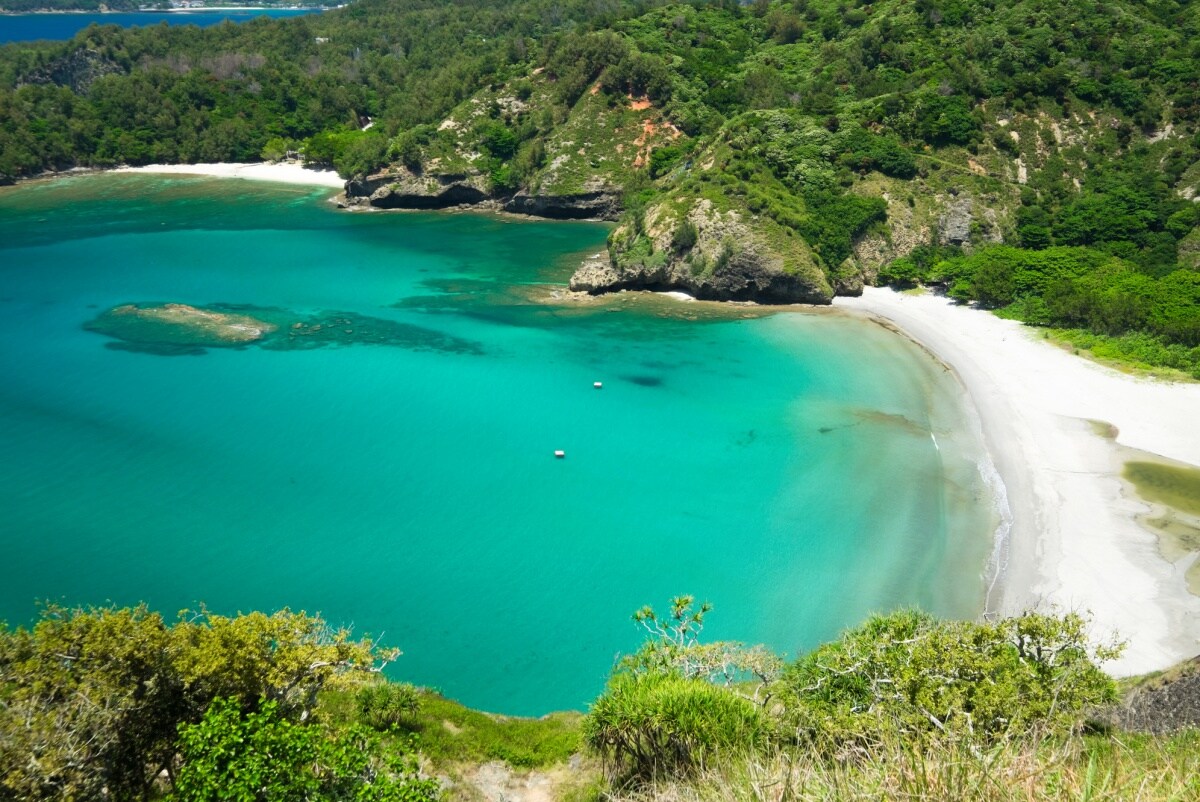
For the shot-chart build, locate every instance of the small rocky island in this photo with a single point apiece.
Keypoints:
(194, 324)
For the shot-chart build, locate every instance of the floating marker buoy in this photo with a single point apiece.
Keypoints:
(597, 385)
(560, 454)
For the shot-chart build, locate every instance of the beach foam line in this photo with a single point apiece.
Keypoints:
(1073, 540)
(281, 172)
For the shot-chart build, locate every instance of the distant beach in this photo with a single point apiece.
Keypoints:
(1075, 542)
(281, 172)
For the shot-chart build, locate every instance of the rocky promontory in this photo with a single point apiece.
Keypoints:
(709, 254)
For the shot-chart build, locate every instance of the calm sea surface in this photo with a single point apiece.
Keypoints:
(798, 470)
(27, 27)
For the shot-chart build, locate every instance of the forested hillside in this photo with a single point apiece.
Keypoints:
(776, 151)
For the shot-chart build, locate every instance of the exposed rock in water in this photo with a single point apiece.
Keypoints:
(77, 70)
(183, 324)
(708, 255)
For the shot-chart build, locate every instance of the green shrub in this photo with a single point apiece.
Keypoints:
(646, 725)
(685, 236)
(387, 704)
(497, 139)
(910, 673)
(230, 755)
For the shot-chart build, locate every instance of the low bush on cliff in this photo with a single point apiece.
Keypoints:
(901, 681)
(647, 725)
(912, 675)
(91, 700)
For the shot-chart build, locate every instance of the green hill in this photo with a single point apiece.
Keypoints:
(776, 151)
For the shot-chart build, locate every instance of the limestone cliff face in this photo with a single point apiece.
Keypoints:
(707, 254)
(917, 215)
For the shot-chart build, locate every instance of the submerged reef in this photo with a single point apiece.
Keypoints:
(172, 329)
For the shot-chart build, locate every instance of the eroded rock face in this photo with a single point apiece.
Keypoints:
(598, 205)
(596, 275)
(726, 262)
(1163, 705)
(954, 227)
(403, 189)
(406, 190)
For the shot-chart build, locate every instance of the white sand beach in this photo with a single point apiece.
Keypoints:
(281, 172)
(1075, 542)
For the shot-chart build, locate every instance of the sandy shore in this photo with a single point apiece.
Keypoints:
(283, 172)
(1075, 543)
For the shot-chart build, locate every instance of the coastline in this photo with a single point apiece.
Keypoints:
(1075, 542)
(279, 172)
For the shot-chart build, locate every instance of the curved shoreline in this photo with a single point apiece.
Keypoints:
(1075, 543)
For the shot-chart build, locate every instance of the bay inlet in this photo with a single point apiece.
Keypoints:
(799, 470)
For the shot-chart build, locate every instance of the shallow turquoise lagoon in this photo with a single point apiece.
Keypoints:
(798, 470)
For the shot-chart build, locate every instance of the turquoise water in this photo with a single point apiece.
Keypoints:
(781, 466)
(28, 27)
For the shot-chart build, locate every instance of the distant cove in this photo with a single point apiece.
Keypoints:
(375, 438)
(28, 27)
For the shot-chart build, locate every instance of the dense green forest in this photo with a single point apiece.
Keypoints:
(121, 704)
(886, 142)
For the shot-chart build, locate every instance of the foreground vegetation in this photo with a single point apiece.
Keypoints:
(116, 703)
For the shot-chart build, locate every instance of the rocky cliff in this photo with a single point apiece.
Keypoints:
(705, 252)
(400, 188)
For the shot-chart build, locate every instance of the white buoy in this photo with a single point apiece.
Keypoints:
(597, 385)
(560, 454)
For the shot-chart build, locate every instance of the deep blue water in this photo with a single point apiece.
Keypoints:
(28, 27)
